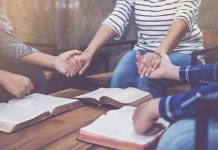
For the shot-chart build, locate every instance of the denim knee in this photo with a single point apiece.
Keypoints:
(125, 71)
(181, 136)
(149, 85)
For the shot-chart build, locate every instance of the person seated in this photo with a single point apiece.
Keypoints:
(166, 25)
(179, 109)
(18, 58)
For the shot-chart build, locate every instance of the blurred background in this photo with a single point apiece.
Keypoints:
(71, 24)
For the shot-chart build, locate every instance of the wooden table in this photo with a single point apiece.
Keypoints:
(57, 133)
(102, 80)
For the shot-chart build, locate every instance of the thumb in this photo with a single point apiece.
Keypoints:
(84, 68)
(138, 56)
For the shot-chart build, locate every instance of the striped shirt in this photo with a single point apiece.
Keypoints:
(173, 108)
(154, 18)
(10, 47)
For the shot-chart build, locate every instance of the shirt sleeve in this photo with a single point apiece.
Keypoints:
(199, 74)
(11, 48)
(180, 106)
(119, 19)
(188, 10)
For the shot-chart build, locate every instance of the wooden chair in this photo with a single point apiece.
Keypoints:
(210, 39)
(206, 108)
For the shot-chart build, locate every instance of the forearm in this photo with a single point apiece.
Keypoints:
(174, 36)
(104, 34)
(193, 74)
(199, 74)
(172, 72)
(2, 74)
(39, 59)
(180, 106)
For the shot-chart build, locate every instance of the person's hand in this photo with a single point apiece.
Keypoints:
(145, 116)
(72, 67)
(17, 85)
(147, 63)
(164, 67)
(84, 60)
(60, 62)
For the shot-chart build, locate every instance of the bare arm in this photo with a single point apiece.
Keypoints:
(174, 36)
(104, 34)
(17, 85)
(39, 59)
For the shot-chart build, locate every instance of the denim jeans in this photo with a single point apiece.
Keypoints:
(181, 136)
(126, 74)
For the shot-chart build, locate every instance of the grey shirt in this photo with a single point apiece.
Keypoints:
(10, 47)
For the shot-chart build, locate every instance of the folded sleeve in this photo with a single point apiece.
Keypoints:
(199, 74)
(188, 10)
(119, 18)
(11, 48)
(183, 105)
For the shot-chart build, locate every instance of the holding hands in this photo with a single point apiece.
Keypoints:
(148, 63)
(79, 63)
(61, 61)
(162, 68)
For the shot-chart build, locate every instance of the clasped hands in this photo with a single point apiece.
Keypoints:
(77, 63)
(148, 64)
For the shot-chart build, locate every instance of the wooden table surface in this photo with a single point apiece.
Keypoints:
(57, 133)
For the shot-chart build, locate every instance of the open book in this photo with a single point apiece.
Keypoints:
(115, 97)
(115, 130)
(17, 114)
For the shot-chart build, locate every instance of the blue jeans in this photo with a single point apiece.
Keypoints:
(181, 136)
(126, 74)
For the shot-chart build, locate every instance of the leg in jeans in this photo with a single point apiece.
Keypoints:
(33, 73)
(126, 74)
(181, 136)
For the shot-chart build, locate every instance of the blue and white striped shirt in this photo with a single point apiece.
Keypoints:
(182, 105)
(154, 18)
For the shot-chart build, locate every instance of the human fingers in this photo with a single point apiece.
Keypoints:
(153, 64)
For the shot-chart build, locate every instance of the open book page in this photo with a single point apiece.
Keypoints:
(11, 115)
(41, 102)
(127, 95)
(117, 124)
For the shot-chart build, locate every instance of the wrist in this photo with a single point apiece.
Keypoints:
(3, 76)
(90, 51)
(53, 59)
(162, 49)
(172, 72)
(154, 108)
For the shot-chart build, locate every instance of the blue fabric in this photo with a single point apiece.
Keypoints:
(126, 74)
(182, 105)
(181, 136)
